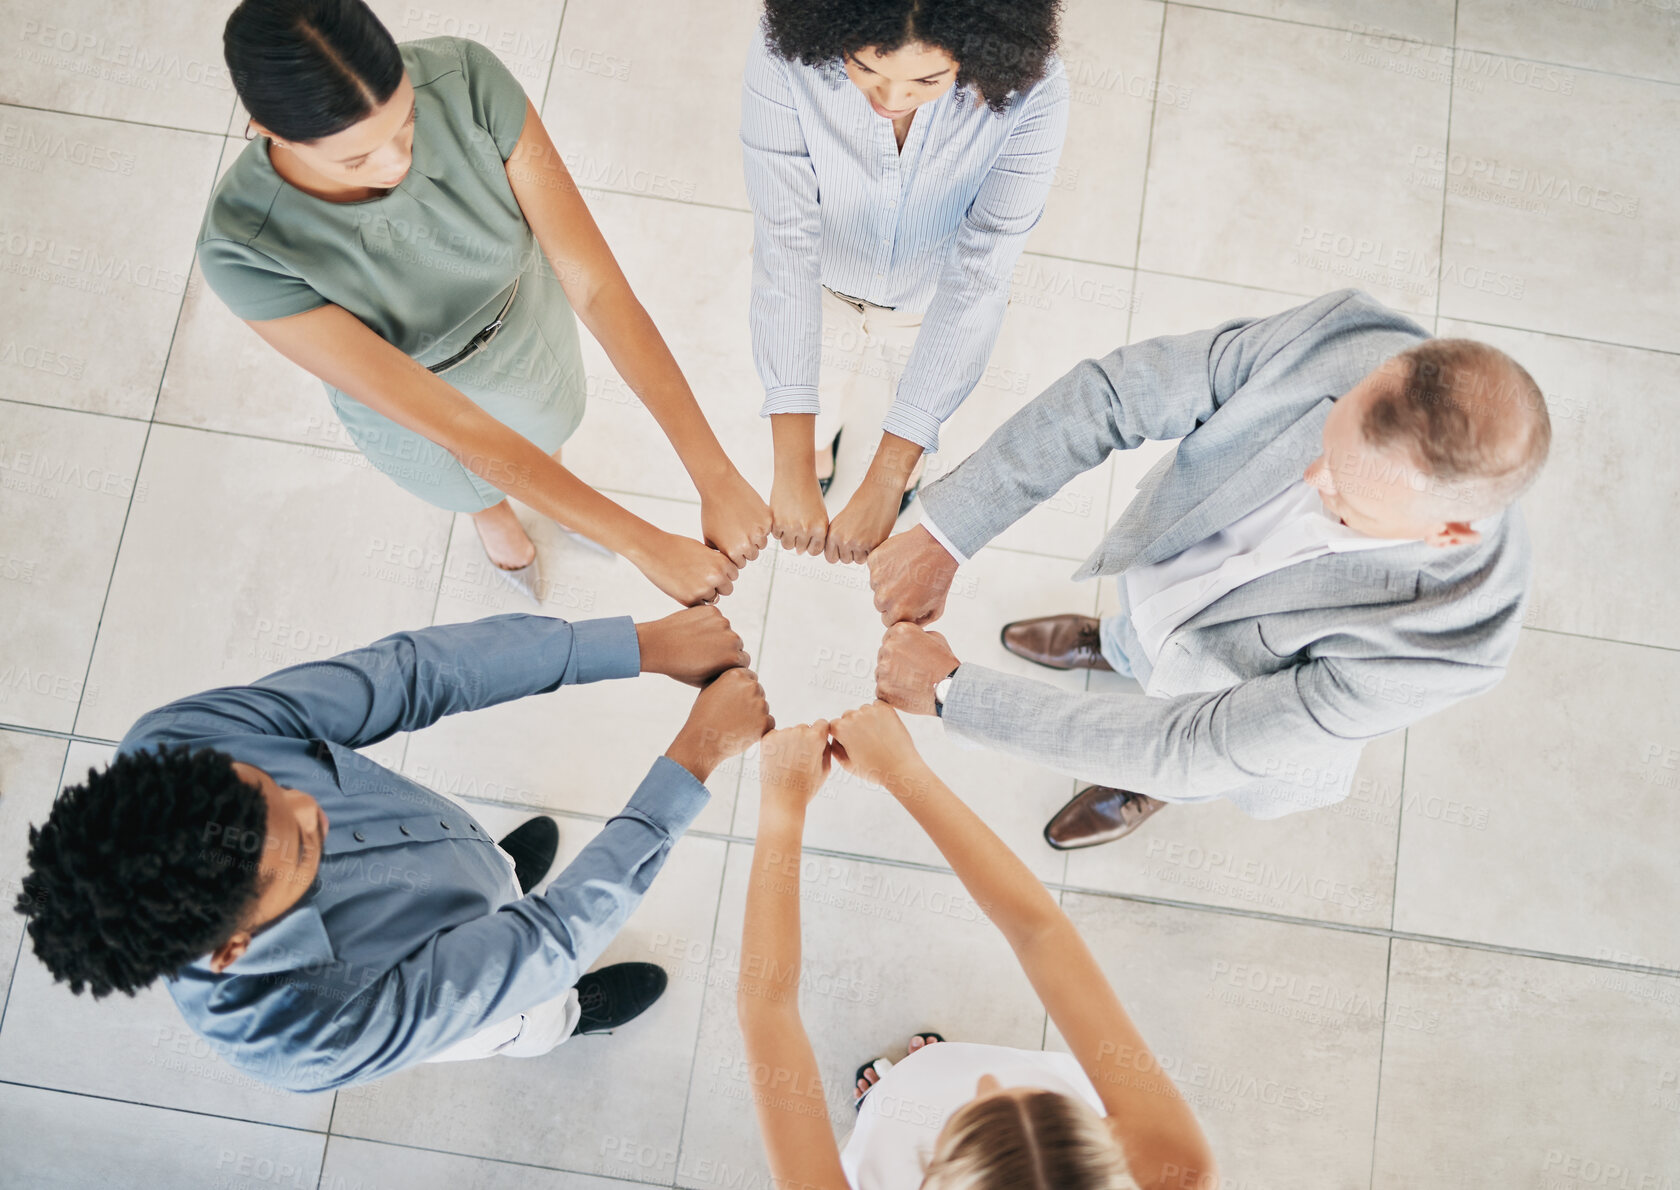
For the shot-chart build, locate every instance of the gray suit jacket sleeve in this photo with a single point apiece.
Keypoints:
(1283, 742)
(1159, 389)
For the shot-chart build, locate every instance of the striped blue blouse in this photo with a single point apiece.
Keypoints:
(936, 228)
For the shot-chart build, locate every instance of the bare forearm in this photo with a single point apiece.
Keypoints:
(994, 876)
(793, 439)
(639, 354)
(517, 466)
(1156, 1127)
(340, 350)
(894, 460)
(770, 942)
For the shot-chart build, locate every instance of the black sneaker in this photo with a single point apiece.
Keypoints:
(616, 995)
(533, 846)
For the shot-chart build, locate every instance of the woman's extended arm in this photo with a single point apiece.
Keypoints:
(1161, 1137)
(735, 519)
(340, 349)
(787, 1089)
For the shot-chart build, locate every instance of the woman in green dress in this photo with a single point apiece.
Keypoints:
(403, 228)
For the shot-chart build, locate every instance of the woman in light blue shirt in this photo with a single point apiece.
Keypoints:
(897, 155)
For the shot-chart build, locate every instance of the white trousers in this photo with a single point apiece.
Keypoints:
(530, 1034)
(864, 350)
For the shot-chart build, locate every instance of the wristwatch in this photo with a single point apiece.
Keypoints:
(942, 691)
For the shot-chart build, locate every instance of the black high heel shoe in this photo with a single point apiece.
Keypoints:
(834, 461)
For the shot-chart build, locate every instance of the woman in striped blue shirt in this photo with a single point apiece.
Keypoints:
(898, 152)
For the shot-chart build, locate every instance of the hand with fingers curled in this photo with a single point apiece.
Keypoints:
(689, 571)
(911, 576)
(730, 716)
(793, 764)
(912, 661)
(734, 518)
(864, 523)
(693, 646)
(799, 521)
(871, 742)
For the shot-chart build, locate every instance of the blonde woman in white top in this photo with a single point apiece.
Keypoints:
(987, 1117)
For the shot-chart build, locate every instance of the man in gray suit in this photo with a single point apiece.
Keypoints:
(1331, 553)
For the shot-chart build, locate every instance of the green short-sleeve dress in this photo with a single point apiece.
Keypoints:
(426, 266)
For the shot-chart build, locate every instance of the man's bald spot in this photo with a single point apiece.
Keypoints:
(1470, 417)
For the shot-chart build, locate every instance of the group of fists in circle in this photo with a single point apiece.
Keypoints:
(910, 576)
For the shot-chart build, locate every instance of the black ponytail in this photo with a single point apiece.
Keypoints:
(306, 69)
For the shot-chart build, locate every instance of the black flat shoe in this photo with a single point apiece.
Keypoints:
(533, 846)
(617, 995)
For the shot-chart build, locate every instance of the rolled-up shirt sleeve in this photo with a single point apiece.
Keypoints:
(786, 305)
(957, 334)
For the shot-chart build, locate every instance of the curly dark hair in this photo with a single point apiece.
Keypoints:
(1000, 46)
(142, 869)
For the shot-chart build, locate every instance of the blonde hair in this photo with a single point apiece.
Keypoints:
(1026, 1140)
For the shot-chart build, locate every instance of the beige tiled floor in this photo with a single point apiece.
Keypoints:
(1465, 975)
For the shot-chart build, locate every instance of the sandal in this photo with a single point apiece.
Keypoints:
(881, 1066)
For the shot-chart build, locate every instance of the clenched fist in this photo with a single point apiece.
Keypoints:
(798, 519)
(912, 661)
(911, 575)
(688, 571)
(734, 518)
(793, 764)
(730, 716)
(693, 646)
(873, 743)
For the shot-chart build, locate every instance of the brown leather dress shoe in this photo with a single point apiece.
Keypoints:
(1099, 815)
(1060, 642)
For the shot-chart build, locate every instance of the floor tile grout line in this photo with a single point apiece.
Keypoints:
(1529, 330)
(186, 1111)
(757, 655)
(17, 955)
(128, 511)
(53, 734)
(1371, 31)
(1167, 902)
(1382, 1046)
(1603, 640)
(1399, 825)
(553, 59)
(397, 1144)
(58, 111)
(707, 987)
(1391, 35)
(332, 1114)
(1446, 173)
(1143, 188)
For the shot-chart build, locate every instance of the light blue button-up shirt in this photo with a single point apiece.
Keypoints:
(936, 228)
(413, 935)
